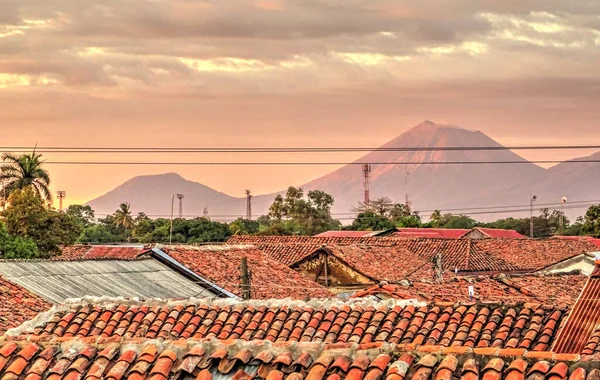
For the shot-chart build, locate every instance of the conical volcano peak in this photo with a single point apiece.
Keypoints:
(431, 126)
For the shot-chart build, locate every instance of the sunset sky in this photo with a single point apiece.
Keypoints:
(224, 73)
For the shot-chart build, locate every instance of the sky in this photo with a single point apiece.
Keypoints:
(248, 73)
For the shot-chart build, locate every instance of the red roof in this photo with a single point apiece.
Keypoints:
(443, 233)
(590, 239)
(560, 289)
(347, 233)
(496, 233)
(18, 305)
(207, 361)
(92, 252)
(581, 333)
(269, 278)
(499, 325)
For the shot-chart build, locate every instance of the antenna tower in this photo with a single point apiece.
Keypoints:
(406, 200)
(180, 197)
(61, 195)
(248, 205)
(367, 182)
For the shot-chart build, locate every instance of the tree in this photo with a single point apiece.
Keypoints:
(16, 248)
(28, 217)
(435, 218)
(370, 221)
(84, 215)
(243, 226)
(22, 171)
(382, 206)
(294, 215)
(99, 234)
(124, 219)
(591, 221)
(456, 221)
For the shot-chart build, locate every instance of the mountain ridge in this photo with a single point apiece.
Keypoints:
(429, 186)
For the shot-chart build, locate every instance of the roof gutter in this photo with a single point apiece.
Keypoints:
(167, 260)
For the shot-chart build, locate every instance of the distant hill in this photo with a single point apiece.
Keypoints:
(445, 187)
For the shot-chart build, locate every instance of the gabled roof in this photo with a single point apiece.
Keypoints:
(534, 254)
(268, 278)
(207, 361)
(560, 289)
(57, 281)
(581, 333)
(351, 233)
(496, 233)
(498, 325)
(379, 263)
(442, 233)
(288, 254)
(18, 305)
(590, 239)
(99, 252)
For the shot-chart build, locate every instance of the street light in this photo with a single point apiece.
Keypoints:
(563, 200)
(533, 199)
(171, 229)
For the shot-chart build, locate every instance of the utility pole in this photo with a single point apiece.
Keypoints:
(61, 195)
(438, 267)
(367, 182)
(248, 205)
(406, 201)
(531, 200)
(171, 229)
(561, 222)
(205, 212)
(245, 279)
(180, 197)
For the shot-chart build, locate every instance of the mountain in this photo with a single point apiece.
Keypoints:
(446, 187)
(435, 186)
(152, 193)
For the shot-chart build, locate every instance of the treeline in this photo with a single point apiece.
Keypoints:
(31, 228)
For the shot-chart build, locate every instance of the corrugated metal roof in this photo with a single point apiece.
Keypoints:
(57, 281)
(584, 321)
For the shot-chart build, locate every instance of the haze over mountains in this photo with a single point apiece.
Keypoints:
(444, 187)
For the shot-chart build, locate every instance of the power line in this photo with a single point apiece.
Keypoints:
(65, 149)
(299, 163)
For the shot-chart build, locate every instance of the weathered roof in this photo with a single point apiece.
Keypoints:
(288, 254)
(443, 233)
(559, 289)
(534, 254)
(582, 330)
(56, 281)
(511, 325)
(349, 233)
(590, 239)
(497, 233)
(206, 361)
(18, 305)
(91, 252)
(268, 278)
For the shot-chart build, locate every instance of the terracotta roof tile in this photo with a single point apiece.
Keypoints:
(269, 278)
(99, 252)
(18, 305)
(559, 289)
(529, 326)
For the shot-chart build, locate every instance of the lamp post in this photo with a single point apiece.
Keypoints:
(533, 199)
(171, 229)
(563, 200)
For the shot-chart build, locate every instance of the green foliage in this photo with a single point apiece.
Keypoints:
(294, 215)
(27, 217)
(591, 221)
(24, 171)
(16, 247)
(370, 221)
(83, 215)
(243, 226)
(99, 233)
(456, 221)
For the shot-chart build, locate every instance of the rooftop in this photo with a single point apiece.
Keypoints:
(559, 289)
(268, 278)
(497, 325)
(204, 361)
(18, 305)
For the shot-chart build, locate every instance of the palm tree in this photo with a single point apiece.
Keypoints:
(123, 216)
(21, 171)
